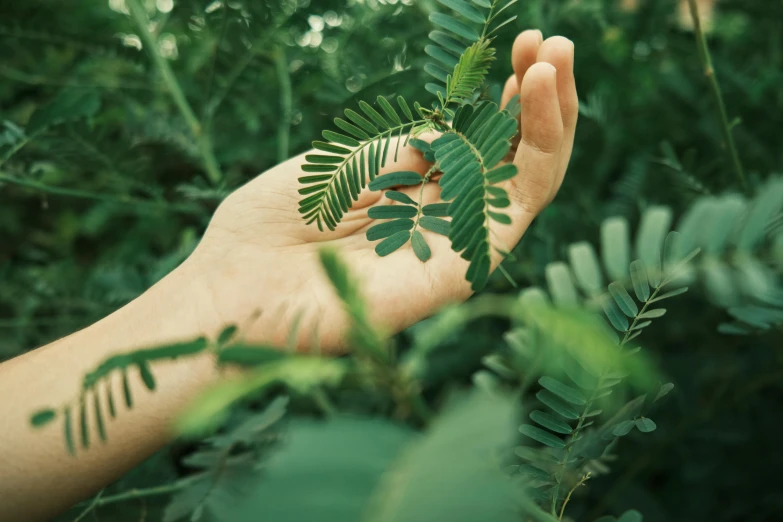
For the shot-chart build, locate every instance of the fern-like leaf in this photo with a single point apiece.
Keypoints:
(470, 72)
(462, 48)
(355, 157)
(467, 155)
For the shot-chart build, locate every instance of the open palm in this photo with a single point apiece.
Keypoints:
(260, 256)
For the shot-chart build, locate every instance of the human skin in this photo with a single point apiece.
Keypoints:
(257, 267)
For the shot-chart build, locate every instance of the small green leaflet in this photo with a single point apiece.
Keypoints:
(339, 138)
(126, 389)
(623, 299)
(559, 406)
(665, 389)
(43, 417)
(645, 425)
(563, 391)
(550, 422)
(146, 375)
(392, 243)
(99, 424)
(501, 218)
(639, 279)
(465, 9)
(227, 334)
(618, 320)
(584, 264)
(533, 471)
(395, 178)
(323, 158)
(544, 437)
(420, 246)
(653, 314)
(399, 197)
(437, 225)
(68, 431)
(329, 147)
(667, 295)
(502, 173)
(624, 428)
(392, 212)
(455, 26)
(388, 228)
(436, 210)
(631, 515)
(84, 430)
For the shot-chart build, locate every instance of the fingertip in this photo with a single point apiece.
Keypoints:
(542, 127)
(559, 51)
(525, 50)
(540, 80)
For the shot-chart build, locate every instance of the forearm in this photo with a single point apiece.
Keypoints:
(38, 477)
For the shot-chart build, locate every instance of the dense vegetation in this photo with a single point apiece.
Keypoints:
(105, 187)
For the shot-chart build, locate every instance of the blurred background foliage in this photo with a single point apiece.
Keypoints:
(102, 189)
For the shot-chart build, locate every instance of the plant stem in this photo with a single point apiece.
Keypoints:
(202, 138)
(89, 508)
(286, 103)
(19, 145)
(709, 72)
(424, 182)
(60, 191)
(142, 493)
(584, 479)
(574, 437)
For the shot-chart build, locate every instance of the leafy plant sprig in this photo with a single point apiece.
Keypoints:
(474, 138)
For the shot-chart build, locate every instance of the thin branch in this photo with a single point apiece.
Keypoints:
(286, 102)
(16, 148)
(584, 479)
(91, 507)
(709, 72)
(143, 493)
(202, 138)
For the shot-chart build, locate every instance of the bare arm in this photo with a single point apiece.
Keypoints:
(38, 477)
(258, 254)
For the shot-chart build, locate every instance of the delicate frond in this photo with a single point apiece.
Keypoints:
(467, 156)
(470, 72)
(356, 156)
(460, 50)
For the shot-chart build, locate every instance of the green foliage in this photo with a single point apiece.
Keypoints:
(473, 142)
(467, 156)
(227, 467)
(104, 188)
(344, 173)
(325, 472)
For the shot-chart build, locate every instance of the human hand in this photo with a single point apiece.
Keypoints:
(259, 255)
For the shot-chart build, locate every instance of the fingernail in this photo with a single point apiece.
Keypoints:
(540, 36)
